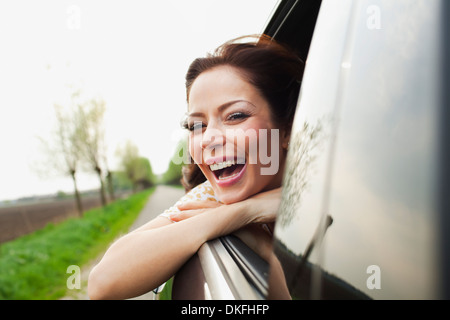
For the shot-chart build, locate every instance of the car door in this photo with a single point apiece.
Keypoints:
(364, 213)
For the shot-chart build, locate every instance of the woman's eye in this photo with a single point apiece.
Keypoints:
(237, 116)
(197, 125)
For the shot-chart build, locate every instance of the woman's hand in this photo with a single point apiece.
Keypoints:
(192, 208)
(245, 218)
(263, 207)
(260, 208)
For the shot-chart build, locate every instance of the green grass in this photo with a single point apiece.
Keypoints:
(166, 294)
(33, 267)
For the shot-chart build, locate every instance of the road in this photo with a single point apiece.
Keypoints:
(162, 198)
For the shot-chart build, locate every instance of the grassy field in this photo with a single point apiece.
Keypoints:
(24, 218)
(35, 266)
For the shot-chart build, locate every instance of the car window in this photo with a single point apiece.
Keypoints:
(358, 215)
(299, 221)
(382, 197)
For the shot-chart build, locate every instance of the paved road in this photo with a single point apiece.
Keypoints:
(162, 198)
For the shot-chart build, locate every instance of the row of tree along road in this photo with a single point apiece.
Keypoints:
(77, 144)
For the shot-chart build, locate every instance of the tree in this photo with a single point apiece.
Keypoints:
(173, 173)
(144, 174)
(89, 116)
(79, 139)
(136, 168)
(69, 141)
(62, 150)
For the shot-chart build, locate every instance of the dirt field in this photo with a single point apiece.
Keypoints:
(22, 219)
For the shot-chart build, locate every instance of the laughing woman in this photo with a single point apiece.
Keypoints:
(241, 101)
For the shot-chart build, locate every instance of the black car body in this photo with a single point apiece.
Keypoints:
(365, 204)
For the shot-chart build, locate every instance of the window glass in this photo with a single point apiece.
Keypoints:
(382, 195)
(309, 150)
(363, 155)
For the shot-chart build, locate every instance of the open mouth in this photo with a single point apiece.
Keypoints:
(227, 169)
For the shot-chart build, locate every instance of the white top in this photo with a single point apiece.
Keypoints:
(203, 191)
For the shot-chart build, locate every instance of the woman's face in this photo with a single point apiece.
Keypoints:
(232, 136)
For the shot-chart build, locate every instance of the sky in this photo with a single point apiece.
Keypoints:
(132, 54)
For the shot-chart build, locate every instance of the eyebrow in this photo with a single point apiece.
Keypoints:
(221, 108)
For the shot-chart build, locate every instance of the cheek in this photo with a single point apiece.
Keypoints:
(195, 149)
(260, 139)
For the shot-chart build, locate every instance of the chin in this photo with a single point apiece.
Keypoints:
(236, 193)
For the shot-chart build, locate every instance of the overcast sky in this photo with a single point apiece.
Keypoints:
(132, 54)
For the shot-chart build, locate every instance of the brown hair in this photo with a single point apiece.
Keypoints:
(272, 68)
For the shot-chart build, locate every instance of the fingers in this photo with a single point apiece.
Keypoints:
(193, 208)
(192, 205)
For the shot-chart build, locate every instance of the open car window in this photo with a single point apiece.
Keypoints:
(230, 268)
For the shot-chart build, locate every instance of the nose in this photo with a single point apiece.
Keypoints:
(212, 137)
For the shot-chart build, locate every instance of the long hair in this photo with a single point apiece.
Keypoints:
(272, 68)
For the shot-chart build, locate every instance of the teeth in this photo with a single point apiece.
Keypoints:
(221, 165)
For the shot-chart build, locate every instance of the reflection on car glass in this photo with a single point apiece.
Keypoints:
(304, 150)
(316, 240)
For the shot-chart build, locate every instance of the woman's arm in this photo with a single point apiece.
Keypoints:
(147, 257)
(258, 210)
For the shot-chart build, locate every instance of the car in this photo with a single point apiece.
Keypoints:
(365, 209)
